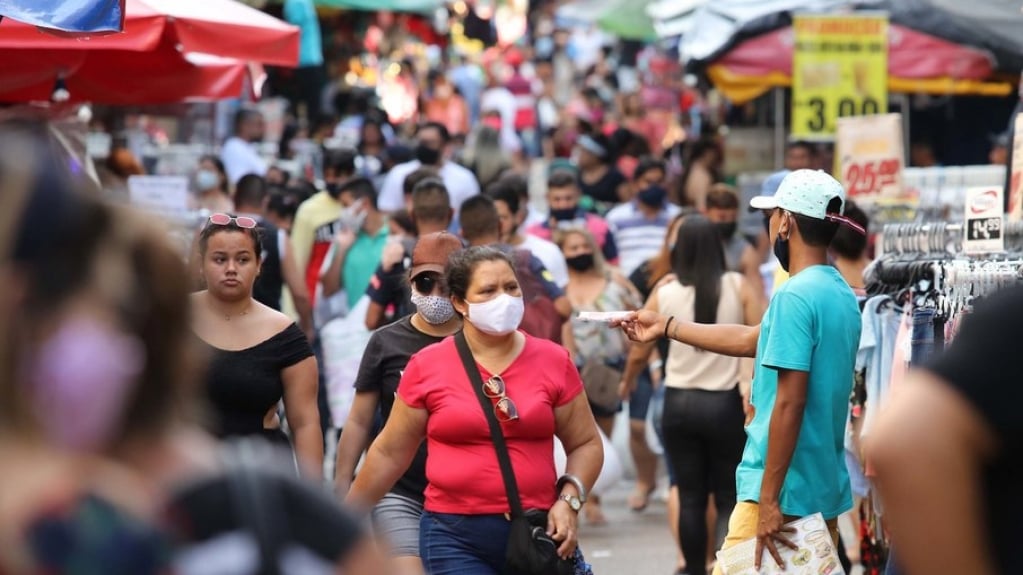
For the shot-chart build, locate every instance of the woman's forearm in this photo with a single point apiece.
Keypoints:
(309, 449)
(586, 461)
(354, 441)
(377, 476)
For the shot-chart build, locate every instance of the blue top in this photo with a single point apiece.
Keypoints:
(812, 324)
(302, 13)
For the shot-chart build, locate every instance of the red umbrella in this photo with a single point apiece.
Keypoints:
(223, 28)
(121, 78)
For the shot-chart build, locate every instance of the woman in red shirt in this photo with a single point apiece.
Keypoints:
(465, 527)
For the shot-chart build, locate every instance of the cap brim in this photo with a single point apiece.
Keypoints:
(763, 203)
(436, 268)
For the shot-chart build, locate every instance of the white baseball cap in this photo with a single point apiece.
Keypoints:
(808, 193)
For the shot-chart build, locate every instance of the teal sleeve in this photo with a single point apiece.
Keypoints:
(791, 342)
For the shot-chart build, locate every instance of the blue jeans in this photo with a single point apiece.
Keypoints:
(463, 544)
(922, 336)
(470, 545)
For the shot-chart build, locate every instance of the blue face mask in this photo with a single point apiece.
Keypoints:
(564, 214)
(206, 180)
(653, 196)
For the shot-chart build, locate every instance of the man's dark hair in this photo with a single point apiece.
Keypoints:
(479, 218)
(284, 203)
(818, 233)
(722, 197)
(445, 135)
(420, 174)
(518, 183)
(501, 191)
(431, 201)
(848, 243)
(341, 161)
(562, 179)
(648, 164)
(251, 191)
(810, 149)
(360, 189)
(244, 115)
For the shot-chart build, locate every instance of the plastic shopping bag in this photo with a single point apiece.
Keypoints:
(344, 341)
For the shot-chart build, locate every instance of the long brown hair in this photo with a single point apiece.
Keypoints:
(661, 264)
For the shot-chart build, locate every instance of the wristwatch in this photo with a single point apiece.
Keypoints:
(569, 478)
(572, 501)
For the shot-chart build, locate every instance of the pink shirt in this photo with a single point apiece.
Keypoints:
(462, 467)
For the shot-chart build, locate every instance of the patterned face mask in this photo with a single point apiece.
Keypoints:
(435, 309)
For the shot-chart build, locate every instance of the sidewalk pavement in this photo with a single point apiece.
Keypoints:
(631, 542)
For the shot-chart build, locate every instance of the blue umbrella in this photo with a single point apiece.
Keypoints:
(76, 16)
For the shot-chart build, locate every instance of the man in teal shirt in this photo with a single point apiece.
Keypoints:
(793, 464)
(358, 245)
(309, 73)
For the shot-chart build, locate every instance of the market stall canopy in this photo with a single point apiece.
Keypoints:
(75, 16)
(991, 25)
(626, 19)
(673, 18)
(746, 48)
(118, 77)
(223, 28)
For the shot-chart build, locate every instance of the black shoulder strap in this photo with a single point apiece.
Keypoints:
(507, 471)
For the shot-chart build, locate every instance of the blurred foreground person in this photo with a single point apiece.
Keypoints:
(100, 455)
(951, 433)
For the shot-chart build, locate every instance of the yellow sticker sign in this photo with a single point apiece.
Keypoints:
(839, 69)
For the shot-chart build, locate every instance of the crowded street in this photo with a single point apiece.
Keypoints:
(510, 287)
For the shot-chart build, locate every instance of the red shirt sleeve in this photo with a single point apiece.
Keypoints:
(570, 386)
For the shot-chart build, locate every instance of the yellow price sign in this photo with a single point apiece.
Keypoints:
(839, 69)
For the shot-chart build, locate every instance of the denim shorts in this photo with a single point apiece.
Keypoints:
(639, 401)
(396, 519)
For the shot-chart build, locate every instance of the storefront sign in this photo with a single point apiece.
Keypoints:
(983, 221)
(839, 69)
(869, 159)
(1015, 213)
(162, 195)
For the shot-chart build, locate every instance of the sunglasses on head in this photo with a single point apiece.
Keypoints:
(504, 409)
(243, 222)
(425, 282)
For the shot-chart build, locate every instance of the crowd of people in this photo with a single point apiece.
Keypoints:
(167, 412)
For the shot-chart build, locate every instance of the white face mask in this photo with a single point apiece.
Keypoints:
(499, 316)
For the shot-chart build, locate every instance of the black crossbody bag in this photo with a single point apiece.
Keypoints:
(530, 550)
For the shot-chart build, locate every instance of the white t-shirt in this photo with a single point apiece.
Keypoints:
(241, 159)
(460, 182)
(501, 100)
(550, 254)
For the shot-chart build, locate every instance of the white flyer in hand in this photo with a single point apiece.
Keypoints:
(816, 553)
(603, 316)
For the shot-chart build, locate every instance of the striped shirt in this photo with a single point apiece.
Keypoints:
(639, 237)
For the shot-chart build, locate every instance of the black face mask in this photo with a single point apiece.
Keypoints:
(581, 262)
(726, 229)
(652, 196)
(334, 189)
(427, 156)
(781, 251)
(564, 214)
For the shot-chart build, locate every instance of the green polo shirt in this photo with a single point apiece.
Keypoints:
(361, 263)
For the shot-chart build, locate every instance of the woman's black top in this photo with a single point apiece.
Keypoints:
(243, 385)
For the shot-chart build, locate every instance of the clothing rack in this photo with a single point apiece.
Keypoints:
(938, 238)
